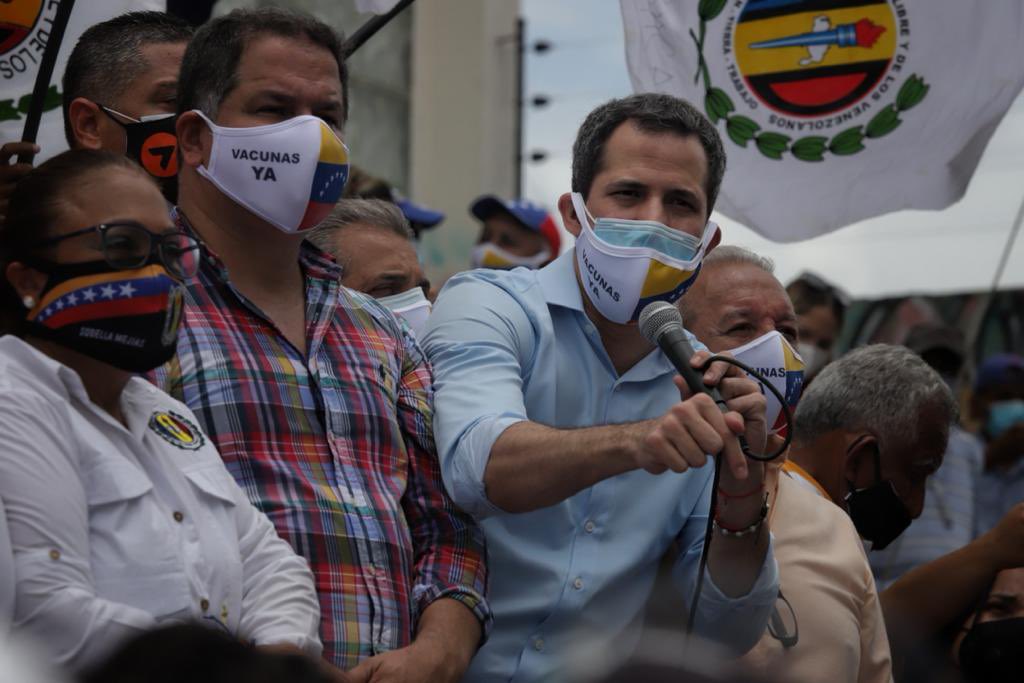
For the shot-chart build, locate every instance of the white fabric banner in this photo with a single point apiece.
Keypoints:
(834, 111)
(24, 30)
(375, 6)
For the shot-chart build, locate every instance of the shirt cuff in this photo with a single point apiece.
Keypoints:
(738, 622)
(469, 461)
(310, 645)
(426, 595)
(764, 591)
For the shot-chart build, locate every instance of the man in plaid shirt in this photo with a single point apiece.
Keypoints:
(318, 399)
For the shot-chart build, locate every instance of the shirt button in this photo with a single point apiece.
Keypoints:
(178, 516)
(578, 583)
(538, 644)
(589, 527)
(54, 554)
(204, 604)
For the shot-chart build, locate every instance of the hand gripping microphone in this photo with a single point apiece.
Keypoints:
(662, 325)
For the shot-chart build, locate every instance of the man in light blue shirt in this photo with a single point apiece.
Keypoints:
(564, 431)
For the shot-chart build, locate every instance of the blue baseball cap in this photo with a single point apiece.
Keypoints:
(530, 215)
(418, 214)
(996, 370)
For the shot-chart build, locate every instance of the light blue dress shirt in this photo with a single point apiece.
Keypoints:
(999, 489)
(509, 346)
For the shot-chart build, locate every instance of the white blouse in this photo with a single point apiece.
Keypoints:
(117, 529)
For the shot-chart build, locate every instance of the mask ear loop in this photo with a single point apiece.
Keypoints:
(582, 212)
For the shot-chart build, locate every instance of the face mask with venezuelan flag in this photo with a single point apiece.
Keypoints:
(625, 265)
(290, 173)
(776, 360)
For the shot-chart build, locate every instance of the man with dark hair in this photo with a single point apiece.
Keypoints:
(319, 403)
(121, 90)
(557, 421)
(129, 64)
(820, 308)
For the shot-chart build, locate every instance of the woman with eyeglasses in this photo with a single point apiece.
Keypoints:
(120, 512)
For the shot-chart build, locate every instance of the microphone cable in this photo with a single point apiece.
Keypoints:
(712, 511)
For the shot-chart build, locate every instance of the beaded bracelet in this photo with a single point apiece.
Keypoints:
(749, 530)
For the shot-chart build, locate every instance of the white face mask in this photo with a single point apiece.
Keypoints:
(815, 358)
(290, 174)
(490, 255)
(772, 356)
(625, 265)
(412, 305)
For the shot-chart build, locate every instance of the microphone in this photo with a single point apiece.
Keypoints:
(662, 325)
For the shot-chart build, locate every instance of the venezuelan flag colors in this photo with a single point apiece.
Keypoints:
(814, 57)
(328, 180)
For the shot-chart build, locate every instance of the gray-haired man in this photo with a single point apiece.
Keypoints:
(373, 243)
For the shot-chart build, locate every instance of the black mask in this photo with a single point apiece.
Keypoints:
(877, 511)
(993, 651)
(126, 318)
(153, 143)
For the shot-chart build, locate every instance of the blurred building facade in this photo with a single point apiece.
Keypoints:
(433, 107)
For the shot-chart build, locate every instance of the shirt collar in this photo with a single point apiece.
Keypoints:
(794, 469)
(315, 262)
(55, 376)
(559, 284)
(138, 394)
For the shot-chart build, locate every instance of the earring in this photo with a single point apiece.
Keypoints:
(28, 301)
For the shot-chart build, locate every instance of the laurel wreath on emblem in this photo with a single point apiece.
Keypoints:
(9, 111)
(742, 129)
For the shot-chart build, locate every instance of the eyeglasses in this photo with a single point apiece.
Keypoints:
(782, 624)
(128, 245)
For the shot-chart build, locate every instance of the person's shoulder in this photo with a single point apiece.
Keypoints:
(24, 371)
(28, 392)
(501, 290)
(820, 531)
(175, 423)
(818, 516)
(368, 313)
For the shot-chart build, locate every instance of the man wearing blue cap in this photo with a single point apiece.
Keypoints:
(998, 406)
(515, 233)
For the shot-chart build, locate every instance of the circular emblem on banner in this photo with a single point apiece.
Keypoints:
(17, 18)
(177, 430)
(806, 78)
(158, 155)
(813, 58)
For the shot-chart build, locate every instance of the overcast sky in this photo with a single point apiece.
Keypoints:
(906, 252)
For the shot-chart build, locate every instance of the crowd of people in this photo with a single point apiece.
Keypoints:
(244, 437)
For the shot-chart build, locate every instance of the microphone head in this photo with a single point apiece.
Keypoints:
(657, 318)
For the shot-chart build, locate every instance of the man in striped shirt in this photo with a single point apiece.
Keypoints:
(318, 399)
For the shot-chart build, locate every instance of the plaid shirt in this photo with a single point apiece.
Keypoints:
(335, 447)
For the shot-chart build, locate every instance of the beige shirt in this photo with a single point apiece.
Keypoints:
(825, 576)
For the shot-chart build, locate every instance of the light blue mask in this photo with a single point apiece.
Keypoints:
(1003, 415)
(622, 232)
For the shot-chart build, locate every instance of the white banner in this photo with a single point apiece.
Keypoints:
(375, 6)
(24, 31)
(834, 111)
